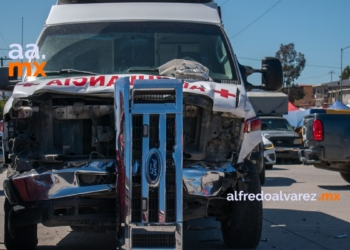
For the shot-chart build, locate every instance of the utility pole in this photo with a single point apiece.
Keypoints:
(22, 38)
(341, 72)
(332, 72)
(2, 59)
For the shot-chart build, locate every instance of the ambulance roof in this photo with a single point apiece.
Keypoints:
(134, 11)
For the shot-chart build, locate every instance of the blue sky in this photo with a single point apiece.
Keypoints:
(318, 28)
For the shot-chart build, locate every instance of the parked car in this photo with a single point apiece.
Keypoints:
(269, 152)
(286, 141)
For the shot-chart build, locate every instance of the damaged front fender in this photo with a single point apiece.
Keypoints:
(207, 181)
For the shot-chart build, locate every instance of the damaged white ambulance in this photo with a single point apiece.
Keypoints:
(140, 122)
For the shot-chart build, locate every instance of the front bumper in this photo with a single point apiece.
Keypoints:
(48, 184)
(287, 152)
(311, 155)
(315, 155)
(270, 157)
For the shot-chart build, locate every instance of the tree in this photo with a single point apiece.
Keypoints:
(346, 73)
(292, 63)
(294, 93)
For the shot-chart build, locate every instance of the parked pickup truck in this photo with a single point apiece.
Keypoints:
(326, 136)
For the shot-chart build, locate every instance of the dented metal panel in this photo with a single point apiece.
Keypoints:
(45, 184)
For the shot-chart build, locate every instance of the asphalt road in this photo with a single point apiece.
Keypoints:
(286, 224)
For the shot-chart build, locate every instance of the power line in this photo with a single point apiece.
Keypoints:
(347, 54)
(313, 77)
(255, 20)
(310, 65)
(223, 3)
(321, 66)
(4, 42)
(3, 39)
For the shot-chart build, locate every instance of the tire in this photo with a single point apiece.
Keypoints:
(244, 226)
(269, 167)
(346, 177)
(25, 237)
(262, 176)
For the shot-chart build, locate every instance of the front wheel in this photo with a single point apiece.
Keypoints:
(244, 226)
(24, 237)
(346, 177)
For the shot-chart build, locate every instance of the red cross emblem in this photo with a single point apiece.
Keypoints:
(224, 93)
(27, 84)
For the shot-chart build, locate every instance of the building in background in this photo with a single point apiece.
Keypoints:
(328, 93)
(308, 100)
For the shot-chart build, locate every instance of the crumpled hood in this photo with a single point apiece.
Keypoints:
(226, 97)
(229, 98)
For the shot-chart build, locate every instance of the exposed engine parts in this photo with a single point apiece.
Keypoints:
(209, 136)
(54, 129)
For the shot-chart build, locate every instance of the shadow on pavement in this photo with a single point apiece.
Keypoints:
(282, 229)
(278, 182)
(288, 162)
(304, 230)
(274, 168)
(84, 241)
(336, 188)
(204, 234)
(198, 234)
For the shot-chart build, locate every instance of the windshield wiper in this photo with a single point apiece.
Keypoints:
(142, 69)
(69, 71)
